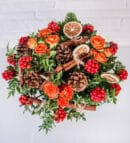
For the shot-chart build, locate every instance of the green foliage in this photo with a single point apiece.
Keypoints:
(57, 78)
(47, 118)
(73, 114)
(13, 87)
(70, 17)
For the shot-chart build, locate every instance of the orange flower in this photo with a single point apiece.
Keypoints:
(44, 32)
(52, 39)
(51, 90)
(62, 102)
(98, 42)
(67, 93)
(100, 57)
(108, 51)
(41, 49)
(32, 43)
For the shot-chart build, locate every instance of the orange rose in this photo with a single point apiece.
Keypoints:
(108, 52)
(50, 89)
(67, 93)
(98, 42)
(52, 39)
(62, 102)
(32, 43)
(100, 57)
(44, 32)
(41, 49)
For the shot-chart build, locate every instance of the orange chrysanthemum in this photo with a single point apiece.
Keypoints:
(44, 32)
(32, 43)
(98, 42)
(52, 39)
(50, 89)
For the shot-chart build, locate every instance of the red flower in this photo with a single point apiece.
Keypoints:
(8, 74)
(23, 40)
(123, 74)
(98, 94)
(24, 62)
(53, 26)
(91, 66)
(59, 115)
(117, 88)
(24, 100)
(88, 28)
(65, 96)
(11, 60)
(50, 89)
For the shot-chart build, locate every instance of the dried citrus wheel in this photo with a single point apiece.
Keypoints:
(72, 29)
(111, 78)
(79, 51)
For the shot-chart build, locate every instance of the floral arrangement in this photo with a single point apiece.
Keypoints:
(64, 69)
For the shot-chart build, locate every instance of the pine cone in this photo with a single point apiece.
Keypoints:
(33, 80)
(63, 53)
(23, 50)
(78, 81)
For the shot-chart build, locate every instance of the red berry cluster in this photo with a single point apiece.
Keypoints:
(23, 40)
(11, 60)
(24, 62)
(114, 47)
(88, 28)
(98, 94)
(53, 26)
(117, 88)
(59, 115)
(24, 100)
(8, 74)
(91, 66)
(123, 74)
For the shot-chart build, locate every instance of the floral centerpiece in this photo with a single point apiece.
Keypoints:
(62, 69)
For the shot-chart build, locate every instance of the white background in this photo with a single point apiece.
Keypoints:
(110, 123)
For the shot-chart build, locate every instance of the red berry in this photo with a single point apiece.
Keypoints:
(11, 60)
(123, 74)
(23, 40)
(24, 100)
(59, 115)
(117, 88)
(88, 28)
(24, 62)
(114, 47)
(91, 66)
(8, 74)
(98, 94)
(53, 26)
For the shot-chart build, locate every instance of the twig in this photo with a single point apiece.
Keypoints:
(72, 106)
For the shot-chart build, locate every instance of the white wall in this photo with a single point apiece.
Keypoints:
(110, 123)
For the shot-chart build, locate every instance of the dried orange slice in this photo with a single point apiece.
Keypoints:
(72, 29)
(79, 51)
(111, 78)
